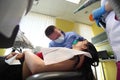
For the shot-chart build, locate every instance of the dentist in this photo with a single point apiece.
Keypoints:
(60, 38)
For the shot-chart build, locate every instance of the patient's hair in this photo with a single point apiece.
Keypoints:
(49, 30)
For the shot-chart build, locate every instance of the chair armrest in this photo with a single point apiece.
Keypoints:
(57, 76)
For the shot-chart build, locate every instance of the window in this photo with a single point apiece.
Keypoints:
(33, 25)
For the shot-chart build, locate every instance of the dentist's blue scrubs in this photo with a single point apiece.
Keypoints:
(69, 37)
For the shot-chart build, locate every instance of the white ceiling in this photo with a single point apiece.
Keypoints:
(65, 10)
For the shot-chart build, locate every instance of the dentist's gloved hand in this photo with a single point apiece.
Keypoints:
(97, 14)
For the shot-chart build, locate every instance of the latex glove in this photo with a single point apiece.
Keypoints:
(97, 14)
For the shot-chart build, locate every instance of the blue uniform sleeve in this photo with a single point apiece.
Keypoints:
(50, 44)
(73, 37)
(69, 43)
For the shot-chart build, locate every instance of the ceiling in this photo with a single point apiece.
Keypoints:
(65, 10)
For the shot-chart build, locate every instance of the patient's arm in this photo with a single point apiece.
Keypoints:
(19, 56)
(33, 64)
(79, 65)
(36, 64)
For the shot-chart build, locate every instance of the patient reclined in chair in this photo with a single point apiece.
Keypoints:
(33, 65)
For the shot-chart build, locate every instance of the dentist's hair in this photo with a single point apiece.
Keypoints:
(49, 30)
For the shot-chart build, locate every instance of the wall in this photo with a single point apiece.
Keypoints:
(109, 69)
(2, 52)
(84, 30)
(33, 25)
(96, 30)
(64, 24)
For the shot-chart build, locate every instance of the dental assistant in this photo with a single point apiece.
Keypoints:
(60, 38)
(112, 29)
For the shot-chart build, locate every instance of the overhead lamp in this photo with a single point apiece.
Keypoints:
(74, 1)
(36, 2)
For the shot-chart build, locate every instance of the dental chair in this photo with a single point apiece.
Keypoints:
(57, 76)
(70, 75)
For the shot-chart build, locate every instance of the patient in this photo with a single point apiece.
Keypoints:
(76, 63)
(87, 47)
(33, 64)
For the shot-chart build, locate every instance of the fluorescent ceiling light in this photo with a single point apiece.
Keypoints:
(74, 1)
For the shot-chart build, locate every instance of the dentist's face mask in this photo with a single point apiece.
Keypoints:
(60, 39)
